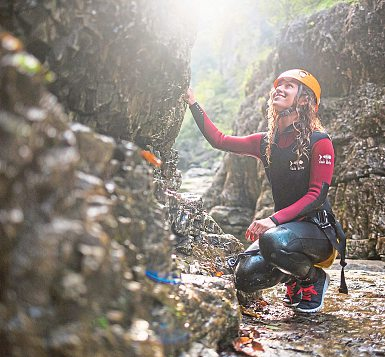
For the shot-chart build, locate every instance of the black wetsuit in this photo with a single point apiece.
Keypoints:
(299, 189)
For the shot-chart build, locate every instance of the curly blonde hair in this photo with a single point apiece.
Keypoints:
(308, 121)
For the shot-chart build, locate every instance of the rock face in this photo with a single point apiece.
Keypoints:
(201, 246)
(86, 264)
(344, 48)
(86, 247)
(72, 220)
(121, 66)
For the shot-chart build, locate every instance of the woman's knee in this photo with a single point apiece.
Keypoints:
(254, 273)
(275, 241)
(282, 248)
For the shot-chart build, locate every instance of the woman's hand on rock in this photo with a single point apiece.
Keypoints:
(257, 228)
(189, 97)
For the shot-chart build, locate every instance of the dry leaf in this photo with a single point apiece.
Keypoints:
(251, 332)
(250, 312)
(247, 346)
(241, 341)
(257, 346)
(262, 303)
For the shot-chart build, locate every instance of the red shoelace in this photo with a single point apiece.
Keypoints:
(307, 292)
(290, 290)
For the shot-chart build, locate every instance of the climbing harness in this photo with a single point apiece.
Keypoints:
(336, 236)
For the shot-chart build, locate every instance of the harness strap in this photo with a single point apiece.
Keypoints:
(336, 236)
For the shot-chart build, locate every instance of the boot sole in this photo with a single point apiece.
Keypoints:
(291, 305)
(326, 285)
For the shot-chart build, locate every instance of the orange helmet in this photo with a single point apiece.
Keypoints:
(305, 78)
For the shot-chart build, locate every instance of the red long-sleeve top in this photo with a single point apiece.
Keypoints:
(299, 186)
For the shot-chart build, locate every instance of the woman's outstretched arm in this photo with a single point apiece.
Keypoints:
(245, 145)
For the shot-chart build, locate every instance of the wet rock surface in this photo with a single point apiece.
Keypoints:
(200, 244)
(118, 64)
(208, 300)
(121, 66)
(349, 325)
(343, 47)
(86, 250)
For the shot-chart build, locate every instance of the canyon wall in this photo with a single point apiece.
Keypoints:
(344, 48)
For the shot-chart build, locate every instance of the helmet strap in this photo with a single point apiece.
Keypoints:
(286, 112)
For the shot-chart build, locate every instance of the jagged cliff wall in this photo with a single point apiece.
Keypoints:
(86, 265)
(344, 48)
(121, 66)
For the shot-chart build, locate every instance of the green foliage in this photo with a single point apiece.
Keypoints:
(101, 322)
(281, 12)
(226, 55)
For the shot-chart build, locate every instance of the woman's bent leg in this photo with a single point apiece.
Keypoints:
(295, 247)
(254, 273)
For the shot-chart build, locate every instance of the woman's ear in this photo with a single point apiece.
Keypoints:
(303, 100)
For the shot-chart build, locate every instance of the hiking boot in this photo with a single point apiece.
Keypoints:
(313, 294)
(293, 293)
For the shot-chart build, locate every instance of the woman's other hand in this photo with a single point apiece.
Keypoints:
(189, 97)
(257, 228)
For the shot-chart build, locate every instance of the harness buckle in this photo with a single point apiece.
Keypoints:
(323, 219)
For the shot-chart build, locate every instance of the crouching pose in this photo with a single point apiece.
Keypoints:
(299, 239)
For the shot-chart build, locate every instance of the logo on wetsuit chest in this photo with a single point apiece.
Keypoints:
(325, 159)
(297, 165)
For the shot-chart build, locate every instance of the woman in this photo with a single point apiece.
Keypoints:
(294, 243)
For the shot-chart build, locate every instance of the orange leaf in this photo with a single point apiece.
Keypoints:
(239, 342)
(250, 312)
(219, 273)
(254, 333)
(151, 158)
(262, 303)
(244, 339)
(257, 346)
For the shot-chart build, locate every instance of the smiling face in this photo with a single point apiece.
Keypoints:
(285, 93)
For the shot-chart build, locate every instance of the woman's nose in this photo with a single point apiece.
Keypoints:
(278, 90)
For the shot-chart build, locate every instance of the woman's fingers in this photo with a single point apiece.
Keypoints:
(249, 235)
(258, 228)
(250, 232)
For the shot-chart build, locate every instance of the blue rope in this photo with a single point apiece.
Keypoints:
(154, 276)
